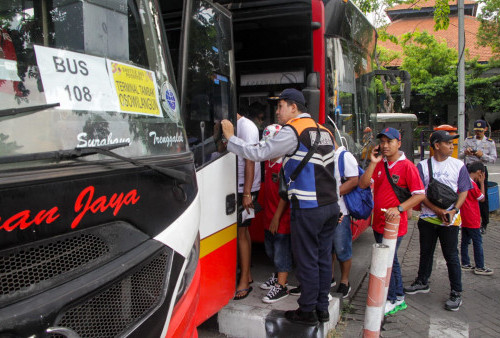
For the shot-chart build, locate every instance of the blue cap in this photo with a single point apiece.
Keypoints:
(293, 95)
(391, 133)
(480, 125)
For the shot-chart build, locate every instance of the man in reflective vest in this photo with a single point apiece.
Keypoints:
(313, 197)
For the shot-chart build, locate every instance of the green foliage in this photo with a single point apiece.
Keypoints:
(489, 29)
(433, 70)
(441, 15)
(425, 58)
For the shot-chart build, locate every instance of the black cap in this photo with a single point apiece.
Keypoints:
(442, 136)
(480, 125)
(293, 95)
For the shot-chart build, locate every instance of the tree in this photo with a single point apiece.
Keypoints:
(433, 66)
(489, 30)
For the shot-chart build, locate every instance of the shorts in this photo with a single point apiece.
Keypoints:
(279, 250)
(257, 206)
(342, 240)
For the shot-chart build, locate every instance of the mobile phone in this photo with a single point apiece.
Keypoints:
(379, 151)
(447, 217)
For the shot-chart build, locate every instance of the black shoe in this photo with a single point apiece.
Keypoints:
(277, 293)
(323, 316)
(344, 289)
(417, 287)
(453, 304)
(295, 291)
(301, 317)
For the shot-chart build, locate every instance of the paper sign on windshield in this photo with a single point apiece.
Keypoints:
(136, 89)
(77, 81)
(84, 82)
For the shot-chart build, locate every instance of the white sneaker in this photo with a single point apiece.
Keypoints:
(389, 307)
(400, 301)
(330, 297)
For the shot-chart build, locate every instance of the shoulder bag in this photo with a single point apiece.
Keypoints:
(358, 201)
(438, 193)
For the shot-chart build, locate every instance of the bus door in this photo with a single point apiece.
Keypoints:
(207, 82)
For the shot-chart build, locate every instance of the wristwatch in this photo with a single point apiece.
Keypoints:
(456, 210)
(400, 209)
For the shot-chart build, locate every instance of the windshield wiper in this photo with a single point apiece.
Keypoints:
(31, 109)
(71, 154)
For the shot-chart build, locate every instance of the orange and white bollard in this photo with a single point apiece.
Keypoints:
(390, 239)
(375, 302)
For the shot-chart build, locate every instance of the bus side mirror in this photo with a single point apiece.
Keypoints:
(311, 94)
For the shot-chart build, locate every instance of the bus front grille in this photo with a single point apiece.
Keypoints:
(23, 270)
(115, 310)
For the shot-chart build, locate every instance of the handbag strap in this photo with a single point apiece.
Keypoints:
(341, 164)
(429, 166)
(389, 177)
(306, 158)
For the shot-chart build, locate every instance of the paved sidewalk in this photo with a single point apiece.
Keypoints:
(479, 315)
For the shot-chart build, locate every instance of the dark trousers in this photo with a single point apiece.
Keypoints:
(312, 236)
(484, 207)
(448, 238)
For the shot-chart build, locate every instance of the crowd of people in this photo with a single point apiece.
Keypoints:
(308, 223)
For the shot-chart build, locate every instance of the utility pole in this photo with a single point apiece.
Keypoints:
(461, 74)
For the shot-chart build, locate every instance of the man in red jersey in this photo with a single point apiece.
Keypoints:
(404, 174)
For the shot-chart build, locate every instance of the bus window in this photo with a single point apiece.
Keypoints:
(351, 96)
(77, 74)
(208, 91)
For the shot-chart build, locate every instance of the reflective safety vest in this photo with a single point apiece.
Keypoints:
(315, 186)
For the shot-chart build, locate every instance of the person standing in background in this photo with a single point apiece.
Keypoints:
(480, 148)
(248, 191)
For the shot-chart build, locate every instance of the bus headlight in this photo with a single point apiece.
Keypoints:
(192, 263)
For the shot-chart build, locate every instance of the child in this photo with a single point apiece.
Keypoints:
(277, 223)
(471, 221)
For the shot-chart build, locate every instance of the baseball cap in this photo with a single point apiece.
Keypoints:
(391, 133)
(294, 95)
(479, 125)
(269, 132)
(442, 136)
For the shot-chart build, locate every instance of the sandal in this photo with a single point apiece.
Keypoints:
(238, 296)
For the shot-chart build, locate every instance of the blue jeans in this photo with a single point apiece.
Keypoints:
(312, 233)
(477, 244)
(342, 240)
(448, 238)
(396, 283)
(278, 248)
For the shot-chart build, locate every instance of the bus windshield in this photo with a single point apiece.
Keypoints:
(87, 73)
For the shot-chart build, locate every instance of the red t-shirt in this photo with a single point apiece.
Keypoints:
(271, 198)
(405, 175)
(471, 216)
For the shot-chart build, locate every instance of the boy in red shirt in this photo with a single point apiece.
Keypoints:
(277, 226)
(471, 221)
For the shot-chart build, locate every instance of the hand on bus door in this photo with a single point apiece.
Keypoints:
(227, 129)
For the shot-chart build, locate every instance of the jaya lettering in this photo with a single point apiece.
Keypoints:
(85, 203)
